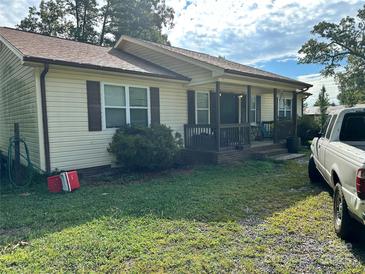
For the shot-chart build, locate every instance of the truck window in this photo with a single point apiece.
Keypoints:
(330, 127)
(353, 127)
(325, 126)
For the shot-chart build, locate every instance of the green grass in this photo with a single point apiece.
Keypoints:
(252, 217)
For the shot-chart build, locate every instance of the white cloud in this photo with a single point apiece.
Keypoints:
(252, 31)
(12, 11)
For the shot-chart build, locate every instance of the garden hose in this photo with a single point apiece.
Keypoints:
(29, 168)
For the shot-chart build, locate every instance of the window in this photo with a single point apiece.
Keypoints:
(125, 105)
(352, 129)
(253, 109)
(330, 127)
(285, 108)
(202, 107)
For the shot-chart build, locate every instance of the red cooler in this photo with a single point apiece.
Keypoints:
(70, 181)
(54, 184)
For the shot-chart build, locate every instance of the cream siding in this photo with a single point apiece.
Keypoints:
(197, 74)
(72, 146)
(18, 103)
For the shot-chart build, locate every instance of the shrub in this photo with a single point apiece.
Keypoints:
(308, 127)
(152, 148)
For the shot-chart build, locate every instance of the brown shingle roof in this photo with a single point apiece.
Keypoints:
(36, 47)
(228, 66)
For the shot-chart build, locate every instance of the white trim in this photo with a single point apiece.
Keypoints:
(285, 108)
(42, 161)
(167, 52)
(11, 47)
(196, 106)
(127, 103)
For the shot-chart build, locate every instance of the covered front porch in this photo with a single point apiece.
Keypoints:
(246, 116)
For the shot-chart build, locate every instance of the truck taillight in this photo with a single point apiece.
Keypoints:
(360, 183)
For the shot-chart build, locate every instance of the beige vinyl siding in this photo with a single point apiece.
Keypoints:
(72, 146)
(196, 73)
(18, 103)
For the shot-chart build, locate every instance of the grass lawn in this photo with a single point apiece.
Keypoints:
(248, 217)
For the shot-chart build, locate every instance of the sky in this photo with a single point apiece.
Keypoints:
(263, 33)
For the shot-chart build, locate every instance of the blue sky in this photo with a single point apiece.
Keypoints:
(263, 33)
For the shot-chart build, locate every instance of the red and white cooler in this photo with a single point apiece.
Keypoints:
(70, 181)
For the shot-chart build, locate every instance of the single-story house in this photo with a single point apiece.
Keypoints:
(69, 97)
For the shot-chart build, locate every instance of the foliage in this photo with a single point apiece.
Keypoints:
(48, 20)
(352, 83)
(308, 127)
(252, 217)
(339, 43)
(323, 103)
(152, 148)
(80, 20)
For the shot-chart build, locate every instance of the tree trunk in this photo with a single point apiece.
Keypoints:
(105, 18)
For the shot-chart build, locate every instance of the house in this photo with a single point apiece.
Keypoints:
(316, 112)
(69, 98)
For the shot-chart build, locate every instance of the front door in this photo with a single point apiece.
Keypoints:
(229, 108)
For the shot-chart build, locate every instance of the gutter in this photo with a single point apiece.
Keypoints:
(45, 117)
(287, 81)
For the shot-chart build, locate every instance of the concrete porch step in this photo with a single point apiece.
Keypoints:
(264, 154)
(286, 156)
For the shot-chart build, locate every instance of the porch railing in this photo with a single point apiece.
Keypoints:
(203, 137)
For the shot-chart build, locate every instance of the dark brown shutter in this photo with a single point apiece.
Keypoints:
(243, 109)
(258, 109)
(213, 107)
(191, 107)
(93, 105)
(155, 106)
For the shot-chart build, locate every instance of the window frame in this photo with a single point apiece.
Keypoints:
(197, 109)
(127, 107)
(285, 109)
(254, 120)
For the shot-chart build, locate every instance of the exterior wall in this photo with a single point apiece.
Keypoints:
(196, 73)
(18, 103)
(72, 146)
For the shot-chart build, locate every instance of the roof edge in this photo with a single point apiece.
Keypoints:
(14, 49)
(293, 82)
(96, 67)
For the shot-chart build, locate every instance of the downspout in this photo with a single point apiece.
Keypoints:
(45, 117)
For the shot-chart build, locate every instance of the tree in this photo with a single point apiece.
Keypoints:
(339, 43)
(80, 20)
(86, 15)
(49, 20)
(142, 19)
(352, 83)
(323, 103)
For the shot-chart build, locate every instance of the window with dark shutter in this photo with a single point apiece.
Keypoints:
(191, 107)
(93, 105)
(155, 105)
(258, 109)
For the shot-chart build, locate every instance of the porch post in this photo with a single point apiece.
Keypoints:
(249, 99)
(294, 114)
(218, 115)
(275, 133)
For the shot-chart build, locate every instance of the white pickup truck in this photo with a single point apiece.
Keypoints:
(338, 156)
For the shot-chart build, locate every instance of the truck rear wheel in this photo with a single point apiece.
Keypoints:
(344, 224)
(313, 172)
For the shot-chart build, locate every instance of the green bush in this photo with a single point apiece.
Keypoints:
(153, 148)
(308, 128)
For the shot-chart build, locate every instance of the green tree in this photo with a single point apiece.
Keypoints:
(339, 43)
(87, 15)
(142, 19)
(323, 103)
(352, 83)
(48, 20)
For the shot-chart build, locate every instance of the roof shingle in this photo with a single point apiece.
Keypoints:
(41, 47)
